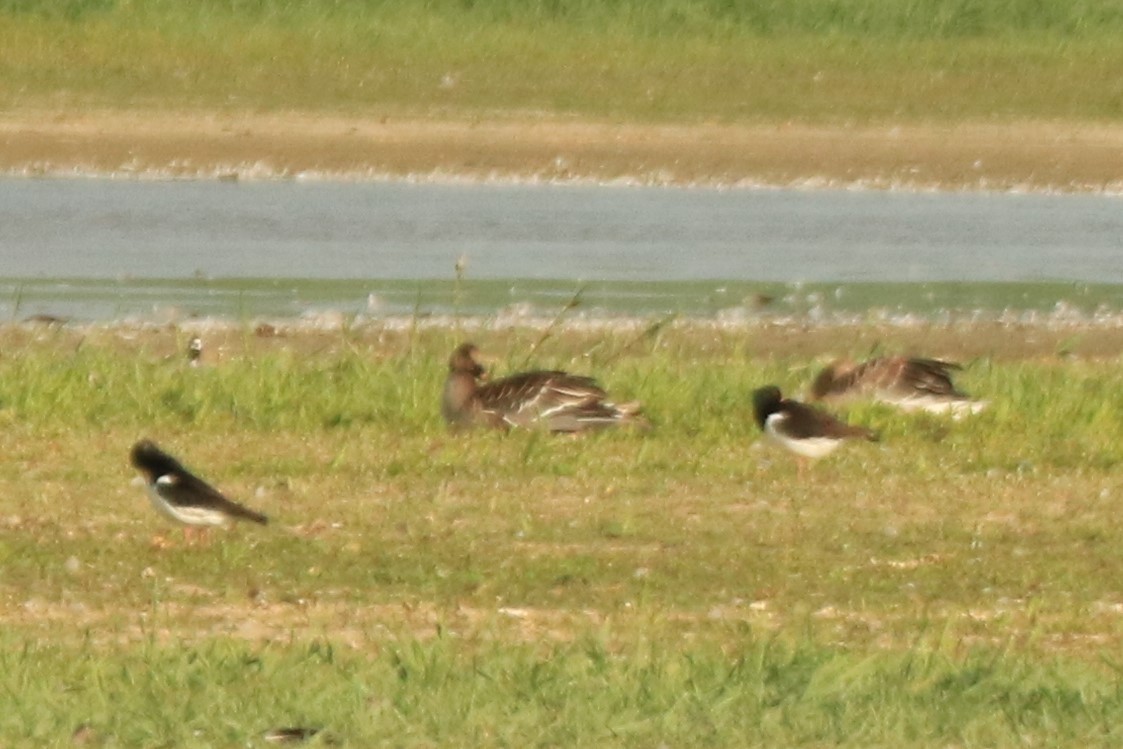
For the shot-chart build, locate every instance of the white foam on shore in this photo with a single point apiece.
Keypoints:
(263, 171)
(1062, 318)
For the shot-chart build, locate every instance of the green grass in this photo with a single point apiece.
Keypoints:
(955, 584)
(442, 692)
(662, 18)
(679, 60)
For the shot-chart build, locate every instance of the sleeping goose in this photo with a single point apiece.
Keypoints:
(909, 383)
(549, 399)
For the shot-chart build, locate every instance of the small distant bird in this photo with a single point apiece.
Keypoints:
(292, 735)
(550, 399)
(908, 383)
(195, 351)
(183, 497)
(802, 429)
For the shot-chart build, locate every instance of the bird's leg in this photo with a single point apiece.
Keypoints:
(195, 536)
(161, 541)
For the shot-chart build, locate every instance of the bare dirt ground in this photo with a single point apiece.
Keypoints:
(1031, 156)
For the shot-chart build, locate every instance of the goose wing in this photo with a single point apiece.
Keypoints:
(547, 395)
(929, 377)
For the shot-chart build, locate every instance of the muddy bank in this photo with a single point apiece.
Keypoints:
(1024, 156)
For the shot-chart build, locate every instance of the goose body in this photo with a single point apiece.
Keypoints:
(908, 383)
(550, 399)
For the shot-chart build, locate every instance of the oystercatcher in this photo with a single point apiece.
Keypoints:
(804, 430)
(183, 497)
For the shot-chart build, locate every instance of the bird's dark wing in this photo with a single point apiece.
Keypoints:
(804, 422)
(184, 489)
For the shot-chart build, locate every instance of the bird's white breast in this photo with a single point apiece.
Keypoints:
(808, 447)
(180, 513)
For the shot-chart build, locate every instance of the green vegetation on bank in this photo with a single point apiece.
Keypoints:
(675, 60)
(955, 584)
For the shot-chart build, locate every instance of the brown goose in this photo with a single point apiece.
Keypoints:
(802, 429)
(909, 383)
(553, 400)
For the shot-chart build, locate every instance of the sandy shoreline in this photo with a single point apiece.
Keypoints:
(1022, 156)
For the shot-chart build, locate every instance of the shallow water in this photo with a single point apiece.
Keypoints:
(98, 249)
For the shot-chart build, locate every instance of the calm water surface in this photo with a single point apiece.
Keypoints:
(120, 233)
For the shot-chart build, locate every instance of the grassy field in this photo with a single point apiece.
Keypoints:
(844, 61)
(956, 584)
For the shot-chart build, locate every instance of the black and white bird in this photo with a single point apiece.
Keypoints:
(550, 399)
(195, 352)
(183, 497)
(905, 382)
(802, 429)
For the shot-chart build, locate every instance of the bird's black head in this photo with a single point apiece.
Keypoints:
(152, 461)
(766, 401)
(463, 359)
